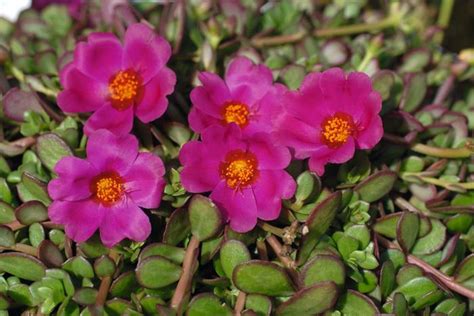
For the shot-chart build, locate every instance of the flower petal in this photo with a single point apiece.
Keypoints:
(99, 58)
(242, 72)
(145, 51)
(211, 96)
(295, 133)
(144, 181)
(343, 153)
(74, 178)
(333, 82)
(201, 168)
(81, 93)
(371, 135)
(108, 152)
(271, 188)
(239, 206)
(80, 218)
(124, 220)
(269, 156)
(154, 102)
(106, 117)
(199, 121)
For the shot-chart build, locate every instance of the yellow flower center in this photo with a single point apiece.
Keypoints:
(235, 112)
(337, 129)
(107, 188)
(239, 169)
(124, 88)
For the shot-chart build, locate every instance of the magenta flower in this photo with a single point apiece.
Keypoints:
(246, 176)
(116, 81)
(247, 98)
(106, 190)
(329, 117)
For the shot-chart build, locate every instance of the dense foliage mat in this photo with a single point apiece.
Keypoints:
(377, 220)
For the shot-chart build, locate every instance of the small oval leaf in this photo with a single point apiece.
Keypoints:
(156, 272)
(262, 277)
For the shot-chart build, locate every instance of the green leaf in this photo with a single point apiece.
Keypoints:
(22, 265)
(306, 184)
(50, 254)
(318, 223)
(407, 230)
(414, 91)
(260, 304)
(414, 289)
(292, 75)
(7, 213)
(323, 268)
(36, 234)
(79, 266)
(376, 186)
(51, 148)
(205, 218)
(232, 253)
(7, 238)
(353, 303)
(387, 278)
(177, 228)
(31, 212)
(433, 241)
(310, 301)
(451, 307)
(465, 269)
(104, 266)
(157, 272)
(22, 295)
(85, 296)
(124, 285)
(262, 277)
(32, 188)
(172, 253)
(207, 304)
(400, 305)
(387, 225)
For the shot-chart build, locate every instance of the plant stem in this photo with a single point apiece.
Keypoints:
(280, 232)
(240, 303)
(260, 42)
(445, 13)
(448, 185)
(447, 281)
(27, 249)
(15, 225)
(105, 282)
(185, 280)
(389, 21)
(287, 261)
(455, 153)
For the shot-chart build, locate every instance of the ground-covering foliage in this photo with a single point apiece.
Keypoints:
(387, 230)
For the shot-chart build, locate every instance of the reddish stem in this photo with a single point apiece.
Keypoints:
(445, 280)
(240, 303)
(105, 282)
(185, 280)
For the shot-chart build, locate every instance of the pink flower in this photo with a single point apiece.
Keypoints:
(247, 97)
(116, 81)
(246, 176)
(106, 190)
(329, 117)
